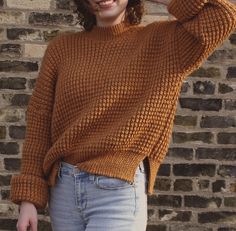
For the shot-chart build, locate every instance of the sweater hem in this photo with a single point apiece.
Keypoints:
(123, 167)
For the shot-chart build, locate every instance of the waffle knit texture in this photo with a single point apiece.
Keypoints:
(105, 99)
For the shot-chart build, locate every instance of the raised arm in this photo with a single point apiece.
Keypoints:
(30, 184)
(201, 26)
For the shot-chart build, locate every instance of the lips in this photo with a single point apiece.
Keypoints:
(105, 4)
(102, 1)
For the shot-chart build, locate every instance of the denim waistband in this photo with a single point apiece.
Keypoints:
(74, 168)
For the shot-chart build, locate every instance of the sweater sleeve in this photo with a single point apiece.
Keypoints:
(200, 27)
(30, 184)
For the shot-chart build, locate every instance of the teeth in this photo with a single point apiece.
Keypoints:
(105, 3)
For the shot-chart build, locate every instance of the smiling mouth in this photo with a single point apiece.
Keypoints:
(105, 3)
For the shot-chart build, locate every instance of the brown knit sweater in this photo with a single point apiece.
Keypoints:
(104, 100)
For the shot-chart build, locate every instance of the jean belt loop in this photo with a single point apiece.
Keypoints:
(75, 169)
(140, 169)
(59, 169)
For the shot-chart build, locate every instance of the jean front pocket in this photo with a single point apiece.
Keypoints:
(64, 175)
(106, 182)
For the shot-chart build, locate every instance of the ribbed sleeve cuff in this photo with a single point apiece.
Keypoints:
(184, 10)
(29, 188)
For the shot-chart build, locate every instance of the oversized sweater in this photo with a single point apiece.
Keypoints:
(105, 99)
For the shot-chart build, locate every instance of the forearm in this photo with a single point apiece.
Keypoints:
(201, 26)
(200, 12)
(30, 184)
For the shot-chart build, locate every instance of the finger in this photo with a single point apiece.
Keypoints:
(21, 227)
(33, 225)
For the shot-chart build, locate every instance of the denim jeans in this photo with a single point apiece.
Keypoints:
(82, 201)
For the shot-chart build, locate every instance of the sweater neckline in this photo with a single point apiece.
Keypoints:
(108, 32)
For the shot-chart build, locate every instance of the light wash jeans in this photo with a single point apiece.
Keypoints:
(82, 201)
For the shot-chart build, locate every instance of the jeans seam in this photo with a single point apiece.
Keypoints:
(75, 192)
(59, 171)
(135, 200)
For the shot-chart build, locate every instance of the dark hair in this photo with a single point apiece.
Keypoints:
(86, 18)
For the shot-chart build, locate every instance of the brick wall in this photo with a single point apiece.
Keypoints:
(195, 188)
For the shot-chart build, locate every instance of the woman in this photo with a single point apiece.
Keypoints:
(101, 114)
